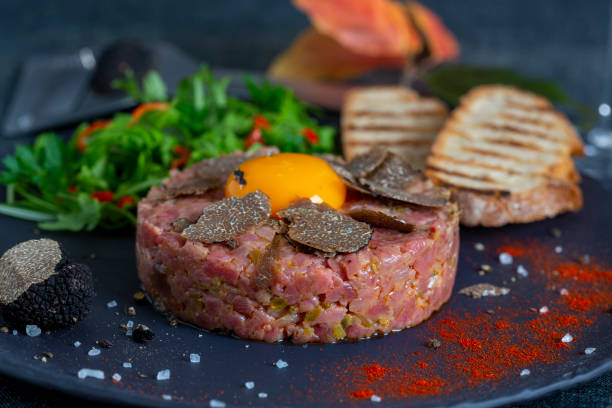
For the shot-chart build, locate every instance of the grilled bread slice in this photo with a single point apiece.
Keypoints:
(394, 117)
(506, 155)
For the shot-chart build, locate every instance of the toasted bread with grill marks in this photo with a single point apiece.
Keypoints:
(394, 117)
(506, 155)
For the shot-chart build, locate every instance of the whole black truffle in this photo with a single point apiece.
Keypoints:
(40, 285)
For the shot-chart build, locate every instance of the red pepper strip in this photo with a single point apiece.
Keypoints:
(127, 200)
(260, 122)
(104, 196)
(81, 142)
(147, 107)
(183, 156)
(254, 137)
(310, 135)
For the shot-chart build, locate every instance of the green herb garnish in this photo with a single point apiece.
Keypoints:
(97, 177)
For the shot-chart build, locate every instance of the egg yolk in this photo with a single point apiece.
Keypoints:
(287, 177)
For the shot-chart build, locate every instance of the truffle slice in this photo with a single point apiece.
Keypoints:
(228, 218)
(39, 285)
(381, 173)
(392, 172)
(325, 230)
(266, 267)
(211, 174)
(484, 289)
(381, 219)
(364, 164)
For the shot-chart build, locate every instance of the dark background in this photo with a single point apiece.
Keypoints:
(561, 40)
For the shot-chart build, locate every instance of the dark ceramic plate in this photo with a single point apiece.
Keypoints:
(316, 375)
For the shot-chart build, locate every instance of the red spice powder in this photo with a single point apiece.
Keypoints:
(362, 393)
(375, 372)
(512, 249)
(487, 347)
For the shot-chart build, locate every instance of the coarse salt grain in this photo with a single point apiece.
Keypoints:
(249, 385)
(563, 292)
(262, 395)
(116, 377)
(505, 258)
(589, 350)
(567, 338)
(167, 397)
(525, 372)
(15, 332)
(216, 404)
(479, 246)
(88, 372)
(194, 358)
(93, 352)
(522, 271)
(129, 324)
(544, 310)
(281, 364)
(558, 249)
(127, 365)
(33, 330)
(77, 344)
(111, 304)
(375, 398)
(163, 375)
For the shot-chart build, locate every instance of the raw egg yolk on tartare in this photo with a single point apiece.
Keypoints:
(287, 177)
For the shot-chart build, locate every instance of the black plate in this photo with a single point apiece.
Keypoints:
(309, 380)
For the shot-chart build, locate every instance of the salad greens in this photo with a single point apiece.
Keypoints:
(96, 178)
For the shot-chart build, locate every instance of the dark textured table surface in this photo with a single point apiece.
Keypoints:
(561, 40)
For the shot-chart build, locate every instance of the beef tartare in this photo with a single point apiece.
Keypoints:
(384, 260)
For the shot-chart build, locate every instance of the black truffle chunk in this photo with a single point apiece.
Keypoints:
(42, 286)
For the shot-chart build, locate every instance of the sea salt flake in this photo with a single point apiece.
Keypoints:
(249, 385)
(567, 338)
(505, 258)
(167, 397)
(33, 330)
(77, 344)
(525, 372)
(129, 324)
(558, 249)
(281, 364)
(375, 398)
(15, 332)
(522, 271)
(479, 246)
(563, 292)
(163, 375)
(194, 358)
(263, 395)
(216, 404)
(116, 377)
(127, 365)
(589, 350)
(111, 304)
(88, 372)
(93, 352)
(544, 310)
